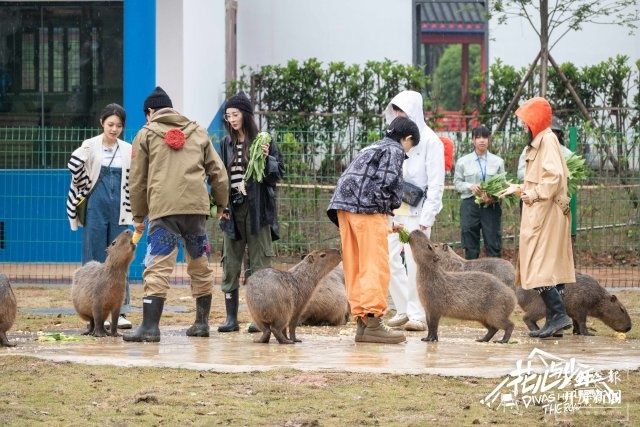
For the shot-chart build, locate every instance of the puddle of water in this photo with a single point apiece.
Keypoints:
(456, 355)
(54, 311)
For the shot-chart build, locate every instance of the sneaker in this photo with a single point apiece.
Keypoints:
(376, 331)
(123, 323)
(398, 320)
(415, 325)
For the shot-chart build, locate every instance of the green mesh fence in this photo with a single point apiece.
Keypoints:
(34, 184)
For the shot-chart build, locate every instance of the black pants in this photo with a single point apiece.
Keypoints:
(474, 218)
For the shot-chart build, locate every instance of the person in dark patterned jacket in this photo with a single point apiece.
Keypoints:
(366, 194)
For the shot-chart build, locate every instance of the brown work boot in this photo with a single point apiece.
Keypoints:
(360, 326)
(377, 331)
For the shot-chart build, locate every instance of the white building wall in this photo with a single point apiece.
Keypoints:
(353, 31)
(190, 56)
(515, 43)
(204, 59)
(169, 49)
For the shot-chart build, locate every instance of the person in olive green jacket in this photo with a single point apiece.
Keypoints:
(172, 157)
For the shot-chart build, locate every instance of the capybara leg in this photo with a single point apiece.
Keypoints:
(491, 331)
(282, 339)
(432, 325)
(91, 326)
(4, 341)
(98, 320)
(265, 337)
(115, 315)
(507, 334)
(576, 328)
(530, 322)
(582, 326)
(292, 330)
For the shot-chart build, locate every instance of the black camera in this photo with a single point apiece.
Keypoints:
(237, 198)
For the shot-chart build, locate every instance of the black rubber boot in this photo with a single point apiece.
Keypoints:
(559, 334)
(200, 327)
(231, 304)
(559, 319)
(149, 331)
(535, 334)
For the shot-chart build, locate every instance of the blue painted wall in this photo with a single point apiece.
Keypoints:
(36, 228)
(139, 60)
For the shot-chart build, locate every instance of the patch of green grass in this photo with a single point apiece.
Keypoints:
(33, 391)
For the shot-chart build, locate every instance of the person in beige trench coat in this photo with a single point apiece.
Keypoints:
(545, 254)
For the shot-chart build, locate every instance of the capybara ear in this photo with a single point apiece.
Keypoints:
(614, 298)
(445, 246)
(310, 258)
(430, 246)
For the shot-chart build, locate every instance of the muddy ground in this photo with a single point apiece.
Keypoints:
(34, 391)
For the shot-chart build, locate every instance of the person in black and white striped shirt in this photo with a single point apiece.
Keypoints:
(250, 222)
(100, 171)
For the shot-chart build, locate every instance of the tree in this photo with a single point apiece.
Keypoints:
(551, 22)
(446, 76)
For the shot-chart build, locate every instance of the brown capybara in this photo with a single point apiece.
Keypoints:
(276, 298)
(328, 305)
(98, 289)
(451, 261)
(584, 298)
(462, 295)
(8, 308)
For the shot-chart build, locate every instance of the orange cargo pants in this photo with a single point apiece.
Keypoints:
(365, 258)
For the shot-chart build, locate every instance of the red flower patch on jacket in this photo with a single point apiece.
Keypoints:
(174, 138)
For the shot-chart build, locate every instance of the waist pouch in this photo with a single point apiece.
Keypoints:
(412, 194)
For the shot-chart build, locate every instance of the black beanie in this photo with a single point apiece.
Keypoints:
(157, 99)
(241, 102)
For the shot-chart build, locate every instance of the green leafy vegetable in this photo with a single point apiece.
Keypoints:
(257, 159)
(492, 187)
(403, 235)
(577, 172)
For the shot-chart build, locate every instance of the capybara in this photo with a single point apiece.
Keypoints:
(328, 305)
(462, 295)
(584, 298)
(451, 261)
(8, 307)
(98, 289)
(276, 298)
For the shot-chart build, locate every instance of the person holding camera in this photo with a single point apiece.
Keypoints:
(250, 221)
(423, 174)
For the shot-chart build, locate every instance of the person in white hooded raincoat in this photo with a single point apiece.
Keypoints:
(423, 168)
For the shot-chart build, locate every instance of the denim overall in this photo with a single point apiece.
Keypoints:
(102, 223)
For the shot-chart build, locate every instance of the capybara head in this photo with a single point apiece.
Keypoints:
(422, 248)
(443, 250)
(121, 251)
(614, 315)
(320, 263)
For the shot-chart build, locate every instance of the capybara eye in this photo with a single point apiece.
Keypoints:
(113, 243)
(322, 255)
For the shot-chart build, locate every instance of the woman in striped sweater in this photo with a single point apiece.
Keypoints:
(251, 220)
(100, 171)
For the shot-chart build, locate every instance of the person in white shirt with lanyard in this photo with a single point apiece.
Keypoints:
(472, 169)
(423, 171)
